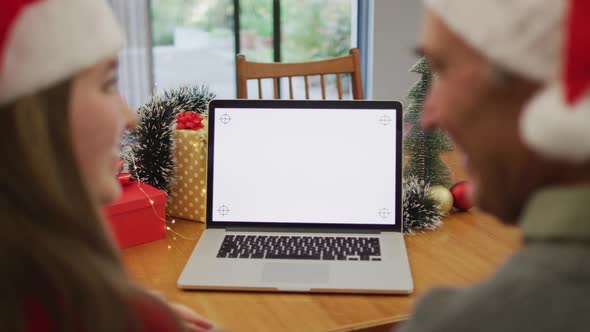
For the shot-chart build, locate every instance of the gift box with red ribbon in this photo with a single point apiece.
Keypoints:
(138, 215)
(188, 194)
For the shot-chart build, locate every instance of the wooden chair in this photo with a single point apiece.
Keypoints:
(247, 70)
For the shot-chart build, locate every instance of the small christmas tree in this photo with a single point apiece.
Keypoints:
(421, 146)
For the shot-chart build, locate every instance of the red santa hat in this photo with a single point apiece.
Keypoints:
(543, 40)
(43, 42)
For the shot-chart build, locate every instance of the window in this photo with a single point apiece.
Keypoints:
(196, 41)
(193, 42)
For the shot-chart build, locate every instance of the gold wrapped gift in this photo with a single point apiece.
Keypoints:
(188, 194)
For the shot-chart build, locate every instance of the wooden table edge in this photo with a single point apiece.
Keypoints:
(372, 323)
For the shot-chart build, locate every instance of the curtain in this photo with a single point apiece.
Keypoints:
(136, 77)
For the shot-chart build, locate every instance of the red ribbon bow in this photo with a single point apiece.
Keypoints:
(124, 177)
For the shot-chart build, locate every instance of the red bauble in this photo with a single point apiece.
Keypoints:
(461, 192)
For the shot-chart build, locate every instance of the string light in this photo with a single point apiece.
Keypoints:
(158, 117)
(152, 204)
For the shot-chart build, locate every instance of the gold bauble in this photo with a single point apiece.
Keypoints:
(442, 197)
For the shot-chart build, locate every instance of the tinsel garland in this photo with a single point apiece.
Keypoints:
(149, 149)
(419, 210)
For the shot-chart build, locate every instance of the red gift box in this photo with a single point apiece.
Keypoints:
(133, 220)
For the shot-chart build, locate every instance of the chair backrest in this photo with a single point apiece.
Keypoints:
(247, 70)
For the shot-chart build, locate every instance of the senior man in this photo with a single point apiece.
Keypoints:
(511, 88)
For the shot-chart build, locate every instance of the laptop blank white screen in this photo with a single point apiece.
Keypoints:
(325, 166)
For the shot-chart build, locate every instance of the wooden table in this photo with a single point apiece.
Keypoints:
(466, 249)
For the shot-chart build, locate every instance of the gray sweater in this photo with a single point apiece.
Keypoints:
(544, 287)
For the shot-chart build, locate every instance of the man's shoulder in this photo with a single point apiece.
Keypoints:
(540, 289)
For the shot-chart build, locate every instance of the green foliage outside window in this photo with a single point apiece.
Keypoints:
(315, 29)
(312, 29)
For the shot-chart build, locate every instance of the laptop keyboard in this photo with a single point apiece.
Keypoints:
(300, 247)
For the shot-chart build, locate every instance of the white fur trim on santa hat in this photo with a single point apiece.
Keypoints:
(554, 129)
(522, 36)
(526, 38)
(52, 40)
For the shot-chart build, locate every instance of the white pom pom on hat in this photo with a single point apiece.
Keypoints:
(554, 129)
(544, 41)
(43, 42)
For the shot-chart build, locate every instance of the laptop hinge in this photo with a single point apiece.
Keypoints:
(301, 230)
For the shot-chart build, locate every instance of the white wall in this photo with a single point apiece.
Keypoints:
(396, 25)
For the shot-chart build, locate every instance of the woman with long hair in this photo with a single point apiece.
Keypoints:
(60, 122)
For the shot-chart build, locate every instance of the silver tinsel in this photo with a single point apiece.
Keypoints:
(419, 210)
(148, 150)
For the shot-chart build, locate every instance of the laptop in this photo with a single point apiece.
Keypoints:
(302, 196)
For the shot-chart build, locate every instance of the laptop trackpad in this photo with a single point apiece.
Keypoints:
(296, 273)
